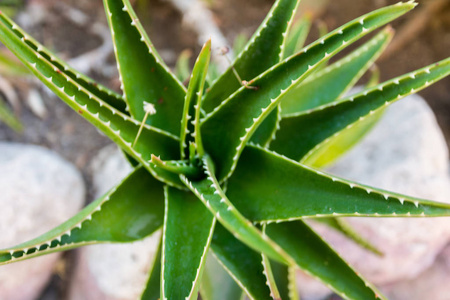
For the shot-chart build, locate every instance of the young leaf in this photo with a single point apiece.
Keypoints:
(143, 74)
(330, 83)
(153, 286)
(188, 229)
(267, 187)
(190, 124)
(300, 134)
(297, 36)
(225, 143)
(129, 212)
(182, 70)
(319, 260)
(242, 263)
(262, 51)
(211, 194)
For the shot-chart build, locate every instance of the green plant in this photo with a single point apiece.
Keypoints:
(221, 181)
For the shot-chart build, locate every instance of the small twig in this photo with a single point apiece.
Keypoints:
(224, 51)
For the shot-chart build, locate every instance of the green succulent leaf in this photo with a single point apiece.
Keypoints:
(285, 279)
(129, 212)
(217, 284)
(153, 286)
(190, 124)
(266, 131)
(188, 229)
(225, 143)
(118, 126)
(242, 263)
(297, 36)
(261, 52)
(267, 187)
(319, 260)
(182, 70)
(211, 194)
(330, 83)
(342, 226)
(300, 135)
(41, 52)
(143, 74)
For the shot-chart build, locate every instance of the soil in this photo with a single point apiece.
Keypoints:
(75, 139)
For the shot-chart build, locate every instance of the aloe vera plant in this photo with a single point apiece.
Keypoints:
(224, 168)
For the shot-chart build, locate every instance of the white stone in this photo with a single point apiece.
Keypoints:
(405, 153)
(109, 167)
(311, 289)
(430, 284)
(39, 190)
(112, 271)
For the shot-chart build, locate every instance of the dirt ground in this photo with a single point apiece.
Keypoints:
(72, 137)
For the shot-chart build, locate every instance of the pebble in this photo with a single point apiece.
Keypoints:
(40, 191)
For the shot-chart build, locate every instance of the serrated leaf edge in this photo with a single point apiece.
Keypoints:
(242, 286)
(82, 108)
(144, 38)
(202, 259)
(22, 251)
(385, 194)
(202, 262)
(310, 68)
(360, 97)
(226, 208)
(367, 283)
(386, 33)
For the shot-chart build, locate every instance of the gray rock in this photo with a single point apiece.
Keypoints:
(405, 153)
(39, 191)
(112, 271)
